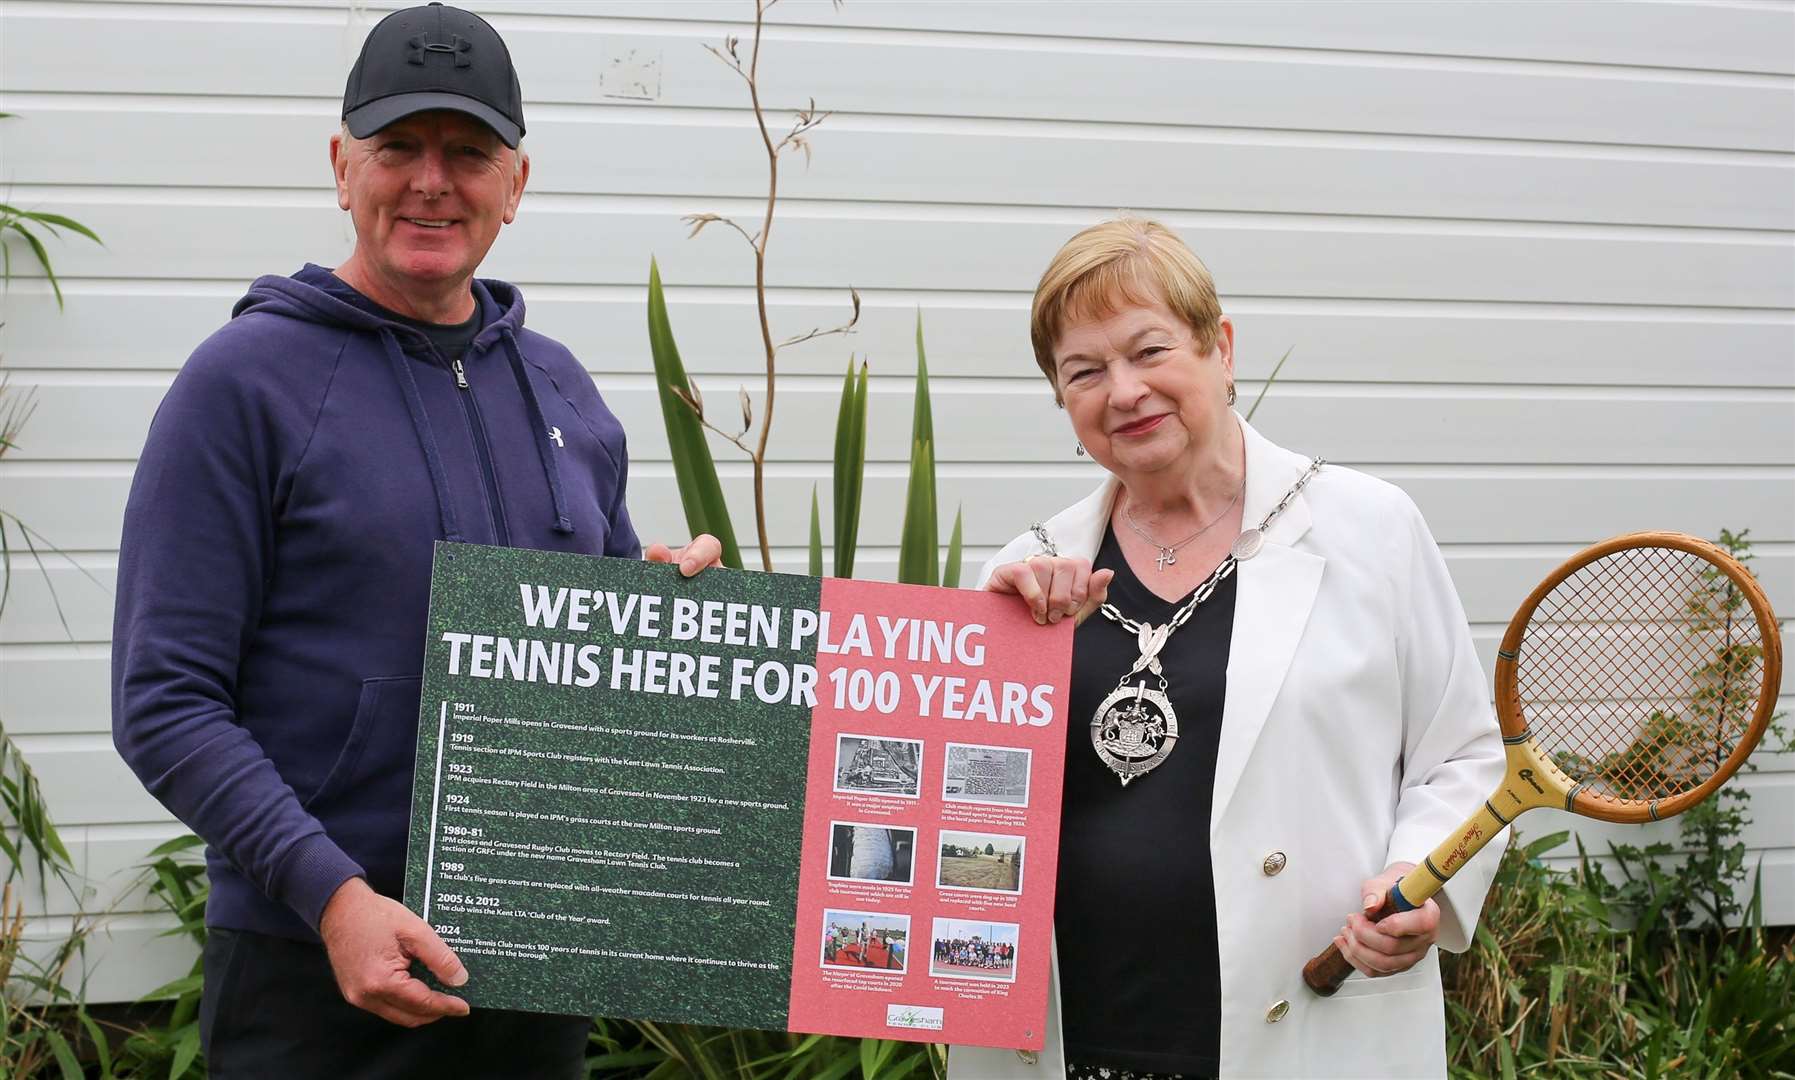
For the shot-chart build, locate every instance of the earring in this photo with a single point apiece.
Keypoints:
(1230, 391)
(1080, 449)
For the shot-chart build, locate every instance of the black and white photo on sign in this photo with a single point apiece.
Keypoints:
(865, 939)
(973, 949)
(987, 862)
(986, 774)
(868, 764)
(861, 852)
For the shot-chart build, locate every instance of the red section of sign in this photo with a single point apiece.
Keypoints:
(925, 903)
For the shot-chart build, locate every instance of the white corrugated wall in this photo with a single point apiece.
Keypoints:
(1534, 261)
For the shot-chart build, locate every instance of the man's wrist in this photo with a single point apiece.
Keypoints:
(311, 874)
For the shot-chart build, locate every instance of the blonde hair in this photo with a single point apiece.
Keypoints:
(1128, 260)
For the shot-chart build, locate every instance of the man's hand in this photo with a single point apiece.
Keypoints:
(371, 941)
(1396, 944)
(704, 552)
(1054, 588)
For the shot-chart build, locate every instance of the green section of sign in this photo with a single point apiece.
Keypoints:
(591, 849)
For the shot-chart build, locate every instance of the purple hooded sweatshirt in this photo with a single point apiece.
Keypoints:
(274, 572)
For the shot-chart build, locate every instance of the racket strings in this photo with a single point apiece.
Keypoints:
(1639, 674)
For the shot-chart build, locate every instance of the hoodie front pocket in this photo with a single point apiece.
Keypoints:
(382, 739)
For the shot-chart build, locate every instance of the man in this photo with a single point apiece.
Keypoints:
(275, 564)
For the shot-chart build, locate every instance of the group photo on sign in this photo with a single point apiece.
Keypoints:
(783, 539)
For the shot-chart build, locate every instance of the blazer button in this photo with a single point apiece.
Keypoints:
(1273, 864)
(1277, 1012)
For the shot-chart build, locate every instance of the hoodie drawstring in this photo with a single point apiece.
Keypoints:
(420, 423)
(550, 470)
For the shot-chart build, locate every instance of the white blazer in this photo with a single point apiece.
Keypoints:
(1356, 732)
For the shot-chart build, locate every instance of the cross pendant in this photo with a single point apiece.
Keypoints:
(1165, 558)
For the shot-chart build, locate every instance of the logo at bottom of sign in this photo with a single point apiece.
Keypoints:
(913, 1016)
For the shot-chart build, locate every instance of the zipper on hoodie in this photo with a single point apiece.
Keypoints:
(476, 425)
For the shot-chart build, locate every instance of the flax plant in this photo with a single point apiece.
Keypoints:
(683, 406)
(794, 140)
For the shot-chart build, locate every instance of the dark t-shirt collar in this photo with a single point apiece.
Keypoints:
(450, 339)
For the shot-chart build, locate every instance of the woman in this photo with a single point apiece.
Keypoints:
(1257, 746)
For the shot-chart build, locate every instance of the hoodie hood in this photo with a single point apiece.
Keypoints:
(316, 295)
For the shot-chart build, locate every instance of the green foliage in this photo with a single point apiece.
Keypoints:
(176, 879)
(26, 832)
(1572, 976)
(26, 224)
(850, 468)
(700, 493)
(917, 562)
(950, 574)
(1269, 379)
(919, 547)
(644, 1051)
(816, 535)
(1665, 970)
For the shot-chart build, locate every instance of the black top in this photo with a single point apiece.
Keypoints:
(451, 339)
(1140, 977)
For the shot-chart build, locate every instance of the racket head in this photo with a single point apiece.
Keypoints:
(1639, 676)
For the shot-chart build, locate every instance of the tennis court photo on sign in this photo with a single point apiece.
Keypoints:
(971, 949)
(987, 862)
(865, 939)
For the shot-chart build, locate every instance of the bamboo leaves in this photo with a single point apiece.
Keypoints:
(700, 493)
(13, 218)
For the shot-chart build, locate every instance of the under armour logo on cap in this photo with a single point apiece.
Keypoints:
(422, 58)
(416, 47)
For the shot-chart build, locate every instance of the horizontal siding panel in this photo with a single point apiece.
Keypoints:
(1730, 37)
(149, 325)
(1676, 35)
(278, 51)
(614, 151)
(66, 692)
(986, 423)
(85, 615)
(1578, 508)
(87, 786)
(608, 241)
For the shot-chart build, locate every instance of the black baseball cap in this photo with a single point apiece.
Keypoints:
(434, 57)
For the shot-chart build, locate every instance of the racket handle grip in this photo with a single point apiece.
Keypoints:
(1330, 968)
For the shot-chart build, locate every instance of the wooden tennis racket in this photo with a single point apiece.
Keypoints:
(1630, 685)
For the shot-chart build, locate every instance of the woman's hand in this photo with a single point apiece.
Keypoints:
(1053, 587)
(1396, 944)
(704, 552)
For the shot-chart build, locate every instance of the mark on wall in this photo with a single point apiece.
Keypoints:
(630, 72)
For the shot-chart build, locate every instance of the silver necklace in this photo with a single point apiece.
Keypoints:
(1136, 728)
(1168, 554)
